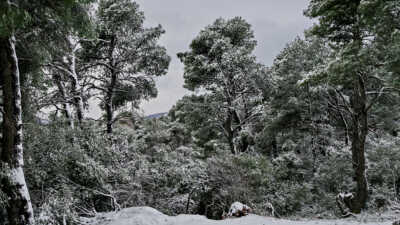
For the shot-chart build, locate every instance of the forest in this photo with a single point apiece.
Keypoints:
(314, 135)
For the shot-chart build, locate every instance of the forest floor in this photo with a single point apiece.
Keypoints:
(150, 216)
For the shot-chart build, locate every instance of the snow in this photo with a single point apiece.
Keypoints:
(345, 195)
(150, 216)
(236, 209)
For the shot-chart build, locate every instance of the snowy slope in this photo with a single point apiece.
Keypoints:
(150, 216)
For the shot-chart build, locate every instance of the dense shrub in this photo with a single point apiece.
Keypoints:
(80, 172)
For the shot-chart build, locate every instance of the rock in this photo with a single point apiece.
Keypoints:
(238, 209)
(396, 222)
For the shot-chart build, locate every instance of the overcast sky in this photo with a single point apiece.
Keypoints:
(275, 23)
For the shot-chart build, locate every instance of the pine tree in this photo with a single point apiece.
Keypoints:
(220, 61)
(126, 55)
(356, 72)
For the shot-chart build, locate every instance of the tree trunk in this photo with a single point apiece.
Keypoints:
(229, 133)
(111, 87)
(19, 209)
(78, 102)
(358, 137)
(28, 111)
(65, 100)
(109, 102)
(75, 86)
(109, 113)
(274, 146)
(346, 138)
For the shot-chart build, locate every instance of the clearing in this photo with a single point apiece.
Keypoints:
(150, 216)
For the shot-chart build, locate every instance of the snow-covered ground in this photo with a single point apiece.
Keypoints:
(150, 216)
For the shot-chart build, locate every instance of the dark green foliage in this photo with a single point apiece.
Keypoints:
(336, 18)
(288, 126)
(194, 113)
(221, 62)
(356, 72)
(146, 89)
(125, 55)
(210, 49)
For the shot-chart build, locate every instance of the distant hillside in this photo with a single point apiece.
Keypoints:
(156, 115)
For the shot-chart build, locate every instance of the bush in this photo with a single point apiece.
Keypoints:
(233, 178)
(74, 173)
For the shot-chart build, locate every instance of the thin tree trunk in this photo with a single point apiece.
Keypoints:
(78, 102)
(75, 85)
(274, 145)
(28, 112)
(75, 89)
(109, 102)
(358, 135)
(110, 89)
(229, 133)
(65, 100)
(19, 209)
(109, 113)
(346, 138)
(313, 128)
(397, 187)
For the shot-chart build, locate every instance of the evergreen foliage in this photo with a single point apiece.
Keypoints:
(289, 140)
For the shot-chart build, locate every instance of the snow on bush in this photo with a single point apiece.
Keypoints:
(238, 209)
